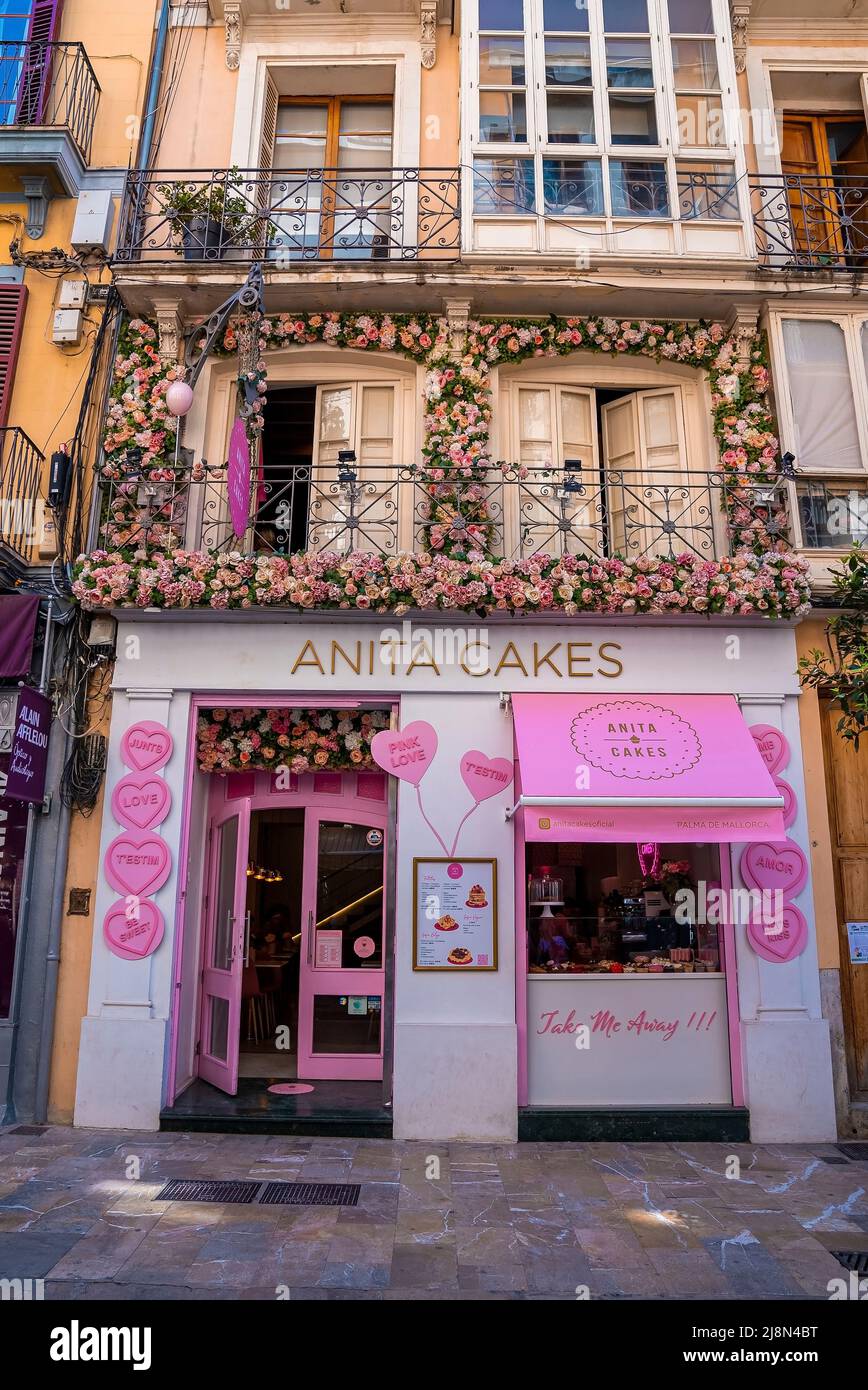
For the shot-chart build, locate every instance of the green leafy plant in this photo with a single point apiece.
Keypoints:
(841, 673)
(218, 200)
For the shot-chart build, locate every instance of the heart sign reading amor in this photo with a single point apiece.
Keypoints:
(146, 746)
(775, 865)
(133, 932)
(484, 776)
(137, 864)
(406, 753)
(140, 801)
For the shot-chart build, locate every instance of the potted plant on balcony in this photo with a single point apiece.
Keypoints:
(212, 219)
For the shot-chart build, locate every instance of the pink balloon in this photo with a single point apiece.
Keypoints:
(133, 933)
(141, 800)
(406, 753)
(146, 746)
(483, 776)
(179, 398)
(137, 864)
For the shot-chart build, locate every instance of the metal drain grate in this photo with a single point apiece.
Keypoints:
(827, 1158)
(857, 1260)
(29, 1129)
(859, 1152)
(199, 1190)
(311, 1194)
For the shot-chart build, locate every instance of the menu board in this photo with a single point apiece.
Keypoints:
(455, 914)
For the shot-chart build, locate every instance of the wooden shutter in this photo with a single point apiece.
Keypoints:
(12, 301)
(269, 125)
(646, 486)
(34, 91)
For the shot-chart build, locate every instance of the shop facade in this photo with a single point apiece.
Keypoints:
(560, 984)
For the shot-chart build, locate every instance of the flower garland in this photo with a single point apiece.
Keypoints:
(456, 471)
(302, 740)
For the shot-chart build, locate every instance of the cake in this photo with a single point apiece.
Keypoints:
(460, 956)
(476, 896)
(446, 923)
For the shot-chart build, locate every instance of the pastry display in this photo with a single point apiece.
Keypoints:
(446, 923)
(460, 956)
(476, 897)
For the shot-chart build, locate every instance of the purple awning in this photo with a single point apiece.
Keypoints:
(17, 630)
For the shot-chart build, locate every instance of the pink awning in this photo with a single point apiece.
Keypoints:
(635, 767)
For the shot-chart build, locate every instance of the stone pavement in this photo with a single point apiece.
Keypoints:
(510, 1221)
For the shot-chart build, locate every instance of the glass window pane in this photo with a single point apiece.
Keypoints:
(503, 185)
(502, 118)
(700, 121)
(822, 395)
(633, 120)
(568, 62)
(576, 422)
(365, 152)
(501, 14)
(573, 186)
(218, 1033)
(695, 64)
(366, 117)
(565, 16)
(13, 843)
(833, 515)
(638, 188)
(224, 902)
(570, 118)
(347, 1023)
(707, 190)
(377, 410)
(628, 63)
(336, 415)
(625, 16)
(302, 120)
(535, 415)
(501, 62)
(690, 17)
(349, 892)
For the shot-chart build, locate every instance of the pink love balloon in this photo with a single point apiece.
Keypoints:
(483, 776)
(146, 746)
(406, 753)
(140, 801)
(133, 932)
(774, 865)
(781, 941)
(137, 864)
(773, 746)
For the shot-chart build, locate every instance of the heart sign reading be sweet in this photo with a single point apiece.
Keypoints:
(133, 930)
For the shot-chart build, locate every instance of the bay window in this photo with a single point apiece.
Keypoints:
(601, 109)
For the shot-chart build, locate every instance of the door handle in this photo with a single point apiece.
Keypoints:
(310, 938)
(247, 939)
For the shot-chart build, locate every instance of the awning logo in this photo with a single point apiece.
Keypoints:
(636, 740)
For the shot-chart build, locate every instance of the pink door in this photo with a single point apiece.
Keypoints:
(340, 1022)
(226, 944)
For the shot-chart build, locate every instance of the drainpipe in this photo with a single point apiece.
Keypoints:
(152, 95)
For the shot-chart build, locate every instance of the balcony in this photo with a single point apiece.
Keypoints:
(286, 218)
(594, 513)
(20, 473)
(49, 97)
(811, 222)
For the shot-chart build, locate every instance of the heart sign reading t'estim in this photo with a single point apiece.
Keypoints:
(484, 776)
(137, 864)
(146, 746)
(133, 930)
(779, 941)
(774, 865)
(140, 801)
(406, 753)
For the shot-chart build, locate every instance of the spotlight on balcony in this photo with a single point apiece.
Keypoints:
(572, 480)
(346, 469)
(788, 469)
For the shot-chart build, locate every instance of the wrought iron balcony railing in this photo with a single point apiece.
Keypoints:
(811, 222)
(286, 217)
(20, 474)
(49, 84)
(519, 513)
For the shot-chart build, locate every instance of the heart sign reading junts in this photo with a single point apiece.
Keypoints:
(137, 864)
(146, 746)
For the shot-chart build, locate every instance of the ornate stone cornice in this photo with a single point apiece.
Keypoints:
(428, 32)
(234, 28)
(169, 329)
(739, 11)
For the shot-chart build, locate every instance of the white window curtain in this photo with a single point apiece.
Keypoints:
(821, 394)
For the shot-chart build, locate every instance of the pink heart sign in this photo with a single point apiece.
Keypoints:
(483, 776)
(791, 806)
(137, 864)
(140, 801)
(146, 746)
(773, 746)
(133, 931)
(781, 941)
(406, 753)
(774, 865)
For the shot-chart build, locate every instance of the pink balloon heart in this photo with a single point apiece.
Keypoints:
(146, 746)
(406, 753)
(774, 865)
(779, 941)
(133, 933)
(483, 776)
(137, 864)
(140, 801)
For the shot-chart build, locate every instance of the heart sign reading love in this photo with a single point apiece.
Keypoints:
(484, 776)
(140, 801)
(407, 753)
(146, 746)
(779, 941)
(137, 864)
(133, 930)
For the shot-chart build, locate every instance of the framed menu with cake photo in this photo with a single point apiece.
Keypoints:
(455, 914)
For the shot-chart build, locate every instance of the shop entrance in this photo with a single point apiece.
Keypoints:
(292, 922)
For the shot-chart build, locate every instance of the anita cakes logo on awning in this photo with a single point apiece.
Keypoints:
(636, 740)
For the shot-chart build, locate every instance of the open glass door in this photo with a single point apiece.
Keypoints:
(226, 942)
(340, 1025)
